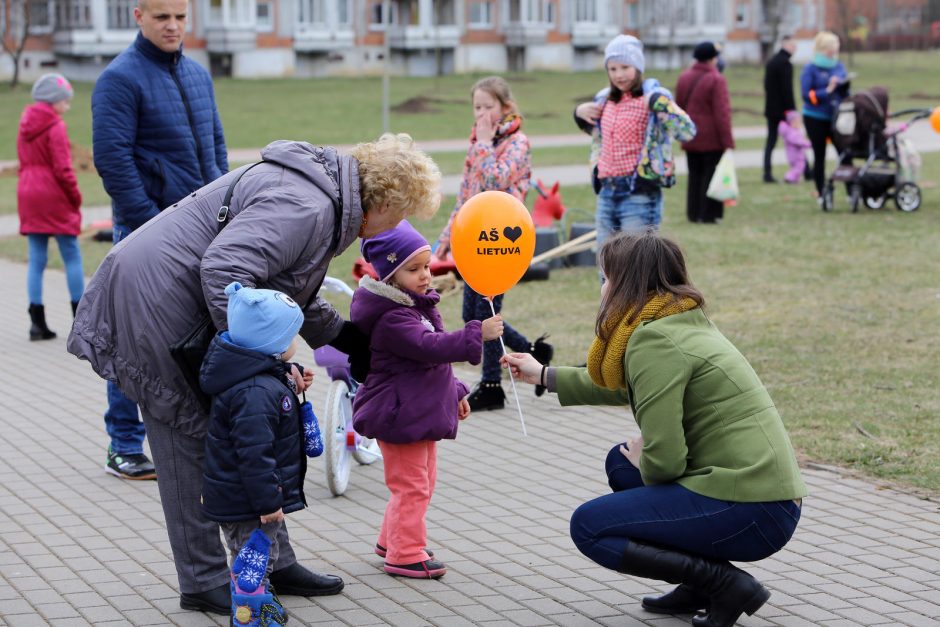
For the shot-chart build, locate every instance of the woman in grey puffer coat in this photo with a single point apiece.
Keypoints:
(153, 286)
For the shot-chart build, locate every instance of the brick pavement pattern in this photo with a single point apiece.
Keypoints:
(80, 547)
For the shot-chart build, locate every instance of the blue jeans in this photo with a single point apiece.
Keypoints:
(674, 517)
(619, 208)
(476, 307)
(122, 420)
(39, 257)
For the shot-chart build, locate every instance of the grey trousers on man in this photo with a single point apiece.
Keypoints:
(198, 553)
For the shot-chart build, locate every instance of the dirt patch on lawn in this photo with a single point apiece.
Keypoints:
(423, 104)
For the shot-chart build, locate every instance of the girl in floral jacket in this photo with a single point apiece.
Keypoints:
(632, 123)
(499, 159)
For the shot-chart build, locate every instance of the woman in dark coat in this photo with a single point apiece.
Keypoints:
(703, 93)
(290, 215)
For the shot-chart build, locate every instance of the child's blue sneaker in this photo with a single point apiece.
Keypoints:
(258, 609)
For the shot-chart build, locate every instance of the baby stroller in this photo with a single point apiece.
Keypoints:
(890, 164)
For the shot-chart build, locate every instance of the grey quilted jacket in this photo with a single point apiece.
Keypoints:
(152, 287)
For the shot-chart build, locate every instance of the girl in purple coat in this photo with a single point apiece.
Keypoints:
(411, 398)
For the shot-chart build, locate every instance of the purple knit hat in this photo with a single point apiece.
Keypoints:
(389, 250)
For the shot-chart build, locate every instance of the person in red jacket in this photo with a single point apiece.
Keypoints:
(47, 195)
(703, 93)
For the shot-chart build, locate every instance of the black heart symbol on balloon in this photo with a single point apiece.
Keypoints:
(512, 233)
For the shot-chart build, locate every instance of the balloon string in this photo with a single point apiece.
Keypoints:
(511, 380)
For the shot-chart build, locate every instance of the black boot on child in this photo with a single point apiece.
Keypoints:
(38, 330)
(543, 353)
(487, 396)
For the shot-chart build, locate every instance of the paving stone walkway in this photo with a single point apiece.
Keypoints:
(80, 547)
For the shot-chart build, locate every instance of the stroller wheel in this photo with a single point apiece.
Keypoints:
(907, 197)
(875, 202)
(855, 196)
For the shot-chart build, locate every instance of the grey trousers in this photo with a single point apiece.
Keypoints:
(237, 534)
(198, 553)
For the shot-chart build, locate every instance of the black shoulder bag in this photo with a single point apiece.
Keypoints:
(189, 351)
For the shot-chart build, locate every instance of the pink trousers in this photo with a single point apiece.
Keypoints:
(410, 474)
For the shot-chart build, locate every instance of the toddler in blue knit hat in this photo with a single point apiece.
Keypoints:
(255, 462)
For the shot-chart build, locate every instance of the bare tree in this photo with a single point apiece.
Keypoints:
(15, 34)
(844, 12)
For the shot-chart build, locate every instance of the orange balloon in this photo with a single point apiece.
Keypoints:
(935, 120)
(493, 240)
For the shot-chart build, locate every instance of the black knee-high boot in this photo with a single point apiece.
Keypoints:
(38, 329)
(731, 590)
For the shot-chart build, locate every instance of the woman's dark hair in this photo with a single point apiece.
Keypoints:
(639, 266)
(635, 88)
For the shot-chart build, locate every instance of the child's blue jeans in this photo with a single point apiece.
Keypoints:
(39, 257)
(621, 208)
(672, 516)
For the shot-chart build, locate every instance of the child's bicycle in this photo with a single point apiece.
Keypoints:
(341, 443)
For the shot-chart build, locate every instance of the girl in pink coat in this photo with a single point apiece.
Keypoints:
(47, 195)
(796, 143)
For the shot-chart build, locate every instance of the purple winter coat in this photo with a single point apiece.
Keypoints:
(411, 393)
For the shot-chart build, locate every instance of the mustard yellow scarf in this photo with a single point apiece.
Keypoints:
(605, 359)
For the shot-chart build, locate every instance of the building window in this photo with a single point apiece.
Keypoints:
(742, 16)
(121, 14)
(713, 12)
(264, 13)
(796, 15)
(632, 17)
(481, 14)
(41, 13)
(376, 17)
(343, 13)
(311, 12)
(585, 11)
(73, 14)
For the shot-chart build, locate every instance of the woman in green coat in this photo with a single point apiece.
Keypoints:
(713, 476)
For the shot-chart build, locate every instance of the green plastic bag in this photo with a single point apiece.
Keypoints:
(724, 184)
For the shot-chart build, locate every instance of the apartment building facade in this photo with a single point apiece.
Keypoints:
(309, 38)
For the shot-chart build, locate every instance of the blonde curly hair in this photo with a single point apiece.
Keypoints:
(393, 170)
(825, 41)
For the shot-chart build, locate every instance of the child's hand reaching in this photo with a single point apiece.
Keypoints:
(463, 408)
(301, 381)
(277, 516)
(492, 328)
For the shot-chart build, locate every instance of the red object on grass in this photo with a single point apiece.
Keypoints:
(548, 206)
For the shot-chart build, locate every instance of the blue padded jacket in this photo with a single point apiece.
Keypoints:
(156, 132)
(255, 460)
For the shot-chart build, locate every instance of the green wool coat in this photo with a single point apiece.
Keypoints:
(707, 421)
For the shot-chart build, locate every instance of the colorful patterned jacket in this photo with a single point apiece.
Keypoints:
(505, 165)
(667, 121)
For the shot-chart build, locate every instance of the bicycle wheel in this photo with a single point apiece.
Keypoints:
(367, 451)
(338, 409)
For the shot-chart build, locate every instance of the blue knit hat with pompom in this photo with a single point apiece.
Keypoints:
(265, 321)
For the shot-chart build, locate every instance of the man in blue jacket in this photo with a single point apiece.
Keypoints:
(157, 137)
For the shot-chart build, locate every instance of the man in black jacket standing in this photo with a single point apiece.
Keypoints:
(778, 97)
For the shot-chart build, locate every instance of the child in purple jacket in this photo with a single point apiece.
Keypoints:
(796, 143)
(411, 398)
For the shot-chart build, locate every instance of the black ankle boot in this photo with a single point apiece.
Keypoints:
(487, 396)
(683, 600)
(543, 353)
(74, 307)
(731, 590)
(38, 330)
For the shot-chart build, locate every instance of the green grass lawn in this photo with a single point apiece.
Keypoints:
(837, 312)
(346, 110)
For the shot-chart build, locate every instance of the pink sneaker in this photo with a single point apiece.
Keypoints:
(428, 569)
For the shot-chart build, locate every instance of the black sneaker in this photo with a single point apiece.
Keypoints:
(487, 396)
(543, 353)
(135, 466)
